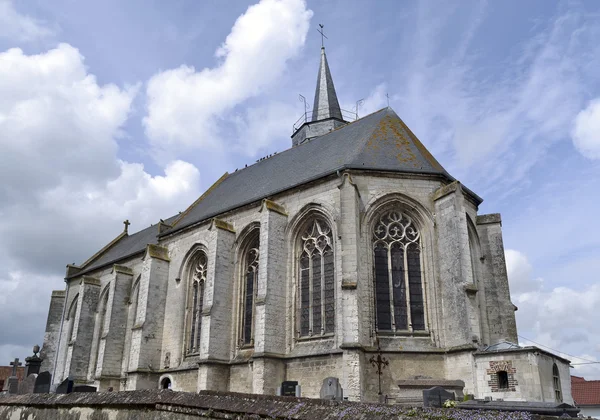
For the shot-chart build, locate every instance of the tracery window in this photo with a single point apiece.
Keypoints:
(250, 284)
(195, 302)
(71, 318)
(556, 382)
(399, 302)
(316, 294)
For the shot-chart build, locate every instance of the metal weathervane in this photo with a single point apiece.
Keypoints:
(323, 37)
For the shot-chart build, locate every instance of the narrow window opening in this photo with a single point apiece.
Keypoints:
(250, 286)
(502, 377)
(556, 381)
(165, 383)
(195, 302)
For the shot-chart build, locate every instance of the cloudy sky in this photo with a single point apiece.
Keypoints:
(119, 110)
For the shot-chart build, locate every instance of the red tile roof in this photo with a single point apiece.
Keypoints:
(585, 392)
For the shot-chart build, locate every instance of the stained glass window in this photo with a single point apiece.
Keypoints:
(316, 281)
(250, 282)
(399, 303)
(196, 300)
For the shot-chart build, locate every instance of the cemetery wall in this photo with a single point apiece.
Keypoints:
(169, 405)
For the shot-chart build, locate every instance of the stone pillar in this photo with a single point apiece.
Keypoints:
(52, 334)
(270, 313)
(217, 313)
(146, 337)
(500, 310)
(350, 316)
(454, 263)
(80, 346)
(112, 338)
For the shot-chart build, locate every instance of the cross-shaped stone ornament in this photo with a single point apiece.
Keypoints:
(126, 223)
(15, 365)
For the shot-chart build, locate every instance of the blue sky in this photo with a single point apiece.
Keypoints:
(129, 110)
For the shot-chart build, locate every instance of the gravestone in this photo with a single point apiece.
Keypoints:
(33, 363)
(13, 385)
(42, 383)
(436, 396)
(65, 387)
(331, 389)
(288, 388)
(84, 388)
(26, 386)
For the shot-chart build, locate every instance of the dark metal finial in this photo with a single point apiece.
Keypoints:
(36, 350)
(323, 37)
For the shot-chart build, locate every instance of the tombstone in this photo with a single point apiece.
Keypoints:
(28, 384)
(84, 388)
(33, 363)
(436, 396)
(331, 389)
(13, 385)
(65, 387)
(42, 383)
(290, 389)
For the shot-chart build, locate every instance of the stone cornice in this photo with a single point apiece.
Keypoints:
(117, 268)
(158, 252)
(90, 280)
(221, 224)
(273, 206)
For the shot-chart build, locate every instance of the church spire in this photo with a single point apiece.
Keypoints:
(326, 103)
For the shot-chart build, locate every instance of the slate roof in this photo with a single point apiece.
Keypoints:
(585, 392)
(126, 247)
(379, 141)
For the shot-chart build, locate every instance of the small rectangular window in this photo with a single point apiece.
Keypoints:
(502, 380)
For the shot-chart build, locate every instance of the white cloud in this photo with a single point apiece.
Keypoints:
(64, 192)
(586, 130)
(19, 27)
(562, 318)
(184, 105)
(491, 125)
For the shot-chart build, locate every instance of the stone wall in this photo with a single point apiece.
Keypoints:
(169, 405)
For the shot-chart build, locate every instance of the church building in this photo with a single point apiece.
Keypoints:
(352, 244)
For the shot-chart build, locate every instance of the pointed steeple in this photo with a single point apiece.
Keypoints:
(326, 103)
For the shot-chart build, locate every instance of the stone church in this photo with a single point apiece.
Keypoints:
(353, 243)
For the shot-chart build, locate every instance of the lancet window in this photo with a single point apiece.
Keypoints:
(250, 284)
(195, 302)
(399, 302)
(556, 382)
(71, 318)
(316, 280)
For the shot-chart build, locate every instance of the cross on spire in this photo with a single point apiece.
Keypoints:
(15, 365)
(323, 37)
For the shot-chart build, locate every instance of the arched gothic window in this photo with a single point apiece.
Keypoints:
(556, 382)
(250, 283)
(397, 259)
(316, 294)
(71, 318)
(195, 302)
